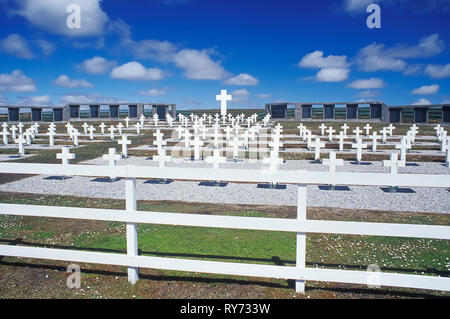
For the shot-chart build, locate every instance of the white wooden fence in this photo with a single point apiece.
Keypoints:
(300, 226)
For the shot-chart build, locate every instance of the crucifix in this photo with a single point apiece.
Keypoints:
(112, 157)
(112, 129)
(85, 127)
(51, 136)
(75, 134)
(65, 155)
(91, 132)
(223, 98)
(127, 121)
(330, 132)
(120, 127)
(102, 127)
(21, 140)
(332, 162)
(374, 139)
(317, 145)
(367, 128)
(341, 137)
(357, 131)
(124, 142)
(322, 129)
(345, 127)
(359, 147)
(391, 128)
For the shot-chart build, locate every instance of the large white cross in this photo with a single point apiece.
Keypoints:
(124, 142)
(317, 145)
(197, 143)
(21, 140)
(332, 162)
(161, 158)
(216, 159)
(65, 155)
(359, 147)
(223, 98)
(341, 137)
(51, 136)
(374, 139)
(112, 157)
(393, 163)
(403, 146)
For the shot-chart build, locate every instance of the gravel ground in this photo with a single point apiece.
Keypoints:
(422, 199)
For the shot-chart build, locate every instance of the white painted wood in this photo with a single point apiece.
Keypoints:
(228, 268)
(132, 236)
(223, 98)
(301, 236)
(231, 175)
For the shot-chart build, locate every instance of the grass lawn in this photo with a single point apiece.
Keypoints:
(31, 278)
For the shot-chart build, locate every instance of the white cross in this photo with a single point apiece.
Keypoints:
(5, 134)
(367, 128)
(51, 136)
(322, 129)
(69, 127)
(20, 140)
(65, 155)
(403, 146)
(333, 162)
(161, 158)
(120, 127)
(345, 127)
(445, 144)
(102, 127)
(112, 157)
(330, 132)
(138, 128)
(197, 143)
(20, 126)
(142, 119)
(301, 128)
(91, 132)
(216, 159)
(374, 139)
(391, 128)
(359, 147)
(112, 129)
(357, 131)
(127, 120)
(273, 160)
(317, 145)
(341, 137)
(384, 132)
(216, 135)
(235, 144)
(28, 136)
(180, 131)
(159, 140)
(124, 142)
(393, 163)
(203, 129)
(228, 131)
(85, 126)
(75, 137)
(209, 119)
(13, 132)
(223, 98)
(187, 138)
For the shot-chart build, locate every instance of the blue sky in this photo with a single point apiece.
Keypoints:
(186, 51)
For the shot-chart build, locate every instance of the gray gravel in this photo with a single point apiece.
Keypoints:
(357, 197)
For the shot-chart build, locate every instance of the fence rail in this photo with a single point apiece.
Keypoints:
(131, 216)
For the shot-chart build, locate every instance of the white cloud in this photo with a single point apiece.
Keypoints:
(422, 102)
(316, 60)
(46, 47)
(136, 72)
(372, 83)
(3, 99)
(240, 96)
(64, 81)
(426, 89)
(368, 94)
(16, 82)
(332, 75)
(17, 46)
(51, 15)
(413, 69)
(162, 51)
(153, 92)
(264, 96)
(438, 71)
(97, 65)
(78, 98)
(242, 79)
(357, 5)
(35, 101)
(375, 57)
(198, 65)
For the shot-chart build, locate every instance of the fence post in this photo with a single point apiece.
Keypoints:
(132, 242)
(301, 237)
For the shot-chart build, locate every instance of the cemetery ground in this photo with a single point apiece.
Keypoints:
(31, 278)
(35, 278)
